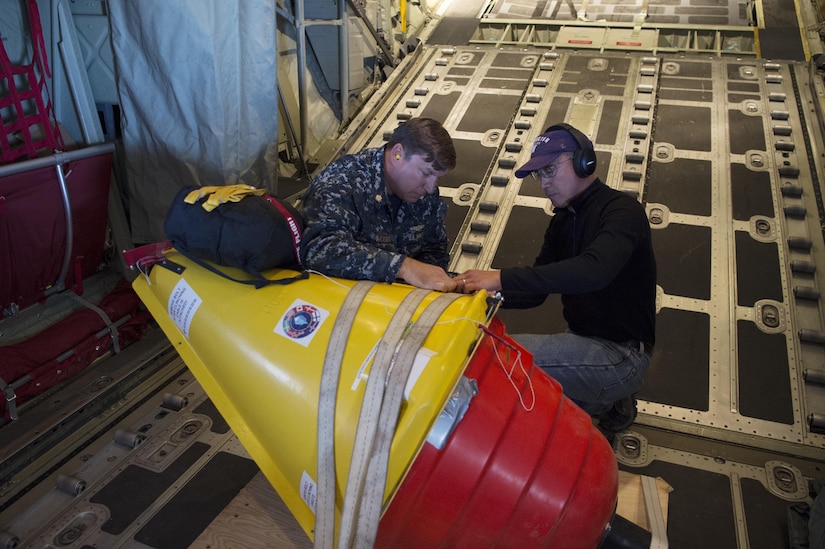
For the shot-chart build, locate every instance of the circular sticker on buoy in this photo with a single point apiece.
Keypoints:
(300, 321)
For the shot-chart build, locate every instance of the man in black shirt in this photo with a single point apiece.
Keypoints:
(597, 254)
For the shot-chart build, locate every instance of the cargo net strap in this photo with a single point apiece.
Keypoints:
(25, 106)
(366, 480)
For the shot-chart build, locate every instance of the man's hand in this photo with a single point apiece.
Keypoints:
(424, 275)
(474, 280)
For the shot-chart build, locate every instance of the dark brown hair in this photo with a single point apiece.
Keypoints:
(428, 138)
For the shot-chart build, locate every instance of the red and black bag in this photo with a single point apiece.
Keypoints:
(236, 226)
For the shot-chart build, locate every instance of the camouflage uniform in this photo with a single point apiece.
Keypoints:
(350, 231)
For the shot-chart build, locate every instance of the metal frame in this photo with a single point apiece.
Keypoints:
(603, 36)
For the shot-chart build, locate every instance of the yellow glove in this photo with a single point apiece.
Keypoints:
(221, 193)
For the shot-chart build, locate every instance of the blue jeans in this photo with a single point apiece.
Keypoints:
(593, 372)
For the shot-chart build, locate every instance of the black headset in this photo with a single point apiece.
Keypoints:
(584, 159)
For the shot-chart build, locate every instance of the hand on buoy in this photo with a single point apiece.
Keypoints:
(474, 280)
(424, 275)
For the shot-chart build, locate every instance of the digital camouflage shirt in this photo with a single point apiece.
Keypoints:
(351, 230)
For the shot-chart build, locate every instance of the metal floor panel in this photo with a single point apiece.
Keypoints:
(165, 479)
(719, 152)
(724, 495)
(725, 178)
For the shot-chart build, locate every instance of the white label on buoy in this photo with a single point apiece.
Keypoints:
(301, 321)
(309, 491)
(183, 304)
(421, 359)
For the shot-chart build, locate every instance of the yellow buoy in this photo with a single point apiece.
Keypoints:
(260, 355)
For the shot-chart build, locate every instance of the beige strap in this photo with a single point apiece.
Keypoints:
(373, 499)
(325, 503)
(370, 411)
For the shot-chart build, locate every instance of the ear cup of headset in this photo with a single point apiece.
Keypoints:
(584, 159)
(584, 162)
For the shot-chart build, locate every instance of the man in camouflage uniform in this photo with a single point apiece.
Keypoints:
(377, 214)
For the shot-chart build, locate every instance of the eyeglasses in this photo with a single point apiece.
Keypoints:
(548, 171)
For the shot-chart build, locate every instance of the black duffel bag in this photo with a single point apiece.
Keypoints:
(235, 226)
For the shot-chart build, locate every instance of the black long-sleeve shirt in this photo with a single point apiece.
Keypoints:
(598, 255)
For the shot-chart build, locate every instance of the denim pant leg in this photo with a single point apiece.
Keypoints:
(593, 372)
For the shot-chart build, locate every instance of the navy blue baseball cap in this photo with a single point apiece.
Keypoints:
(546, 148)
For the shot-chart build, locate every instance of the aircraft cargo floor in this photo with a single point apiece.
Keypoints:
(726, 153)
